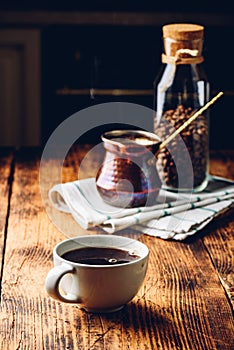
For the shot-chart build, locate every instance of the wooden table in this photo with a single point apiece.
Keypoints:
(186, 301)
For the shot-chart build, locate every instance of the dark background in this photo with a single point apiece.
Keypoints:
(121, 5)
(125, 56)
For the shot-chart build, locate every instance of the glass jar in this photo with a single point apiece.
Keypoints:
(180, 89)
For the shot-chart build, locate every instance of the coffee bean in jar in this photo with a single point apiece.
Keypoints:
(195, 137)
(180, 89)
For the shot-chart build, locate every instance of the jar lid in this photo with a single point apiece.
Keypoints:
(183, 31)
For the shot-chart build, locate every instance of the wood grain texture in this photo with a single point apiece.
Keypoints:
(221, 163)
(220, 243)
(183, 303)
(6, 173)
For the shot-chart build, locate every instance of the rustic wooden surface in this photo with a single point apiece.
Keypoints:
(185, 303)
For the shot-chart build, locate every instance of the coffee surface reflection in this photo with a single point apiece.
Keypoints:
(100, 256)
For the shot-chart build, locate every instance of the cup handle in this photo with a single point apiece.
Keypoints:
(53, 280)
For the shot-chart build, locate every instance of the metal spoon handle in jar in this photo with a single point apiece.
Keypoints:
(189, 121)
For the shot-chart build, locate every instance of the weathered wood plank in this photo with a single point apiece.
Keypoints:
(219, 235)
(23, 256)
(182, 304)
(188, 297)
(221, 163)
(6, 173)
(219, 243)
(31, 320)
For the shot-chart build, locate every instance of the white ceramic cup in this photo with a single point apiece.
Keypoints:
(97, 288)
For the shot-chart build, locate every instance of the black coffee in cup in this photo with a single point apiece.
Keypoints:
(100, 256)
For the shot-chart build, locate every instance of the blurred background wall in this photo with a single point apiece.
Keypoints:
(57, 58)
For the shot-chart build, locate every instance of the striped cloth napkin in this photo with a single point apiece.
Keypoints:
(175, 216)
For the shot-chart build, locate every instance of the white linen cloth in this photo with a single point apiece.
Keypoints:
(175, 216)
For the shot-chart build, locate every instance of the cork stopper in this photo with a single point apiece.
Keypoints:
(183, 40)
(183, 31)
